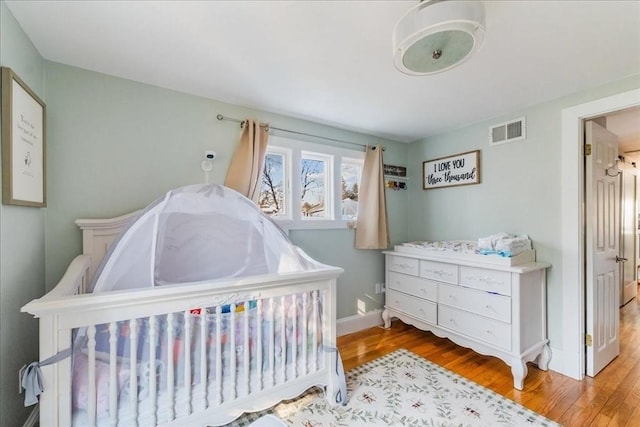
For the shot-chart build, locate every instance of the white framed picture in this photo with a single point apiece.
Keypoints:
(23, 144)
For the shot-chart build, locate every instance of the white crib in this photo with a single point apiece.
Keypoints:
(215, 350)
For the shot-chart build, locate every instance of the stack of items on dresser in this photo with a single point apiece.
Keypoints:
(504, 244)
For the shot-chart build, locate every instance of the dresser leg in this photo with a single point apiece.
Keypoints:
(386, 318)
(544, 358)
(519, 371)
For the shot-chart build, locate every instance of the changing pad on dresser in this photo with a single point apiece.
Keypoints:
(464, 250)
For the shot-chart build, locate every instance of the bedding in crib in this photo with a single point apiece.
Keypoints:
(280, 338)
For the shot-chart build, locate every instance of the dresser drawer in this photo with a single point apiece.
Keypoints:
(498, 282)
(403, 265)
(474, 326)
(415, 307)
(489, 305)
(413, 285)
(439, 271)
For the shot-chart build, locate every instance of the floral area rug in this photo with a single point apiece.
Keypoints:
(403, 389)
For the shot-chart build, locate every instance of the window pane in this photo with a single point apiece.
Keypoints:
(350, 181)
(313, 188)
(272, 191)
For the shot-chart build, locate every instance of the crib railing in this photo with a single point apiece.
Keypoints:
(189, 355)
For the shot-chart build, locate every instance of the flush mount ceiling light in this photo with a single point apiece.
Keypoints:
(437, 35)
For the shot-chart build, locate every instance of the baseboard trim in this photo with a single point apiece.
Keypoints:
(33, 418)
(358, 322)
(564, 365)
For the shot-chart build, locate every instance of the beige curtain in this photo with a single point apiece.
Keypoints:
(245, 171)
(372, 231)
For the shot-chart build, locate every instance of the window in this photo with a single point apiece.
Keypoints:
(273, 192)
(350, 176)
(315, 199)
(324, 193)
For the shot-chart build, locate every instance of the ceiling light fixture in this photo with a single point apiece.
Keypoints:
(437, 35)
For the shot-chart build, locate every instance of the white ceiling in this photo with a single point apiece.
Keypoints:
(331, 61)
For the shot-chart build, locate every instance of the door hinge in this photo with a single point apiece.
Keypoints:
(587, 149)
(588, 340)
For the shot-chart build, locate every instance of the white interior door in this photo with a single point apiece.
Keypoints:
(602, 246)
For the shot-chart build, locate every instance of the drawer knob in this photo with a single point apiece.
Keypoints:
(489, 332)
(436, 272)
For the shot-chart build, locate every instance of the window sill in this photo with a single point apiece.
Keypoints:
(315, 224)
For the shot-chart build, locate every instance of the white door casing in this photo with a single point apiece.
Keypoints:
(628, 234)
(602, 196)
(569, 355)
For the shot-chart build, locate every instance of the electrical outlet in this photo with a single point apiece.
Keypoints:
(380, 288)
(20, 372)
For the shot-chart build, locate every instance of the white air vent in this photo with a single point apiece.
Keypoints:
(508, 132)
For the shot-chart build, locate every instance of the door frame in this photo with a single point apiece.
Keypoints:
(572, 358)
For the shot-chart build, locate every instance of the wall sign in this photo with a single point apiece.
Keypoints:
(393, 170)
(23, 144)
(460, 169)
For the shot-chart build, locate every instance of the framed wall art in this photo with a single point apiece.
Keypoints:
(23, 144)
(459, 169)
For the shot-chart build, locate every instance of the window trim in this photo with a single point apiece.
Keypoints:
(328, 174)
(293, 219)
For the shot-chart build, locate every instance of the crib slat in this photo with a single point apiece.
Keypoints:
(315, 324)
(283, 339)
(113, 366)
(133, 369)
(203, 358)
(294, 334)
(153, 391)
(91, 346)
(245, 351)
(232, 350)
(305, 328)
(272, 342)
(258, 342)
(170, 367)
(218, 355)
(187, 360)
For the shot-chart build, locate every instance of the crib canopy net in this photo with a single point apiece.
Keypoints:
(197, 233)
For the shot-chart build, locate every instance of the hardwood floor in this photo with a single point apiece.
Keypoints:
(610, 399)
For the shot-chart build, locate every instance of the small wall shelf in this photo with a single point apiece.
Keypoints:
(393, 177)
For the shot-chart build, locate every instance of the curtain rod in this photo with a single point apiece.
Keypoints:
(269, 127)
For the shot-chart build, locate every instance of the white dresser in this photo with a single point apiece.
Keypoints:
(497, 310)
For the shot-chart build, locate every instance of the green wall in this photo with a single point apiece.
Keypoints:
(22, 244)
(115, 145)
(519, 191)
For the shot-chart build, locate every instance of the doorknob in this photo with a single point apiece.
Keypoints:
(619, 259)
